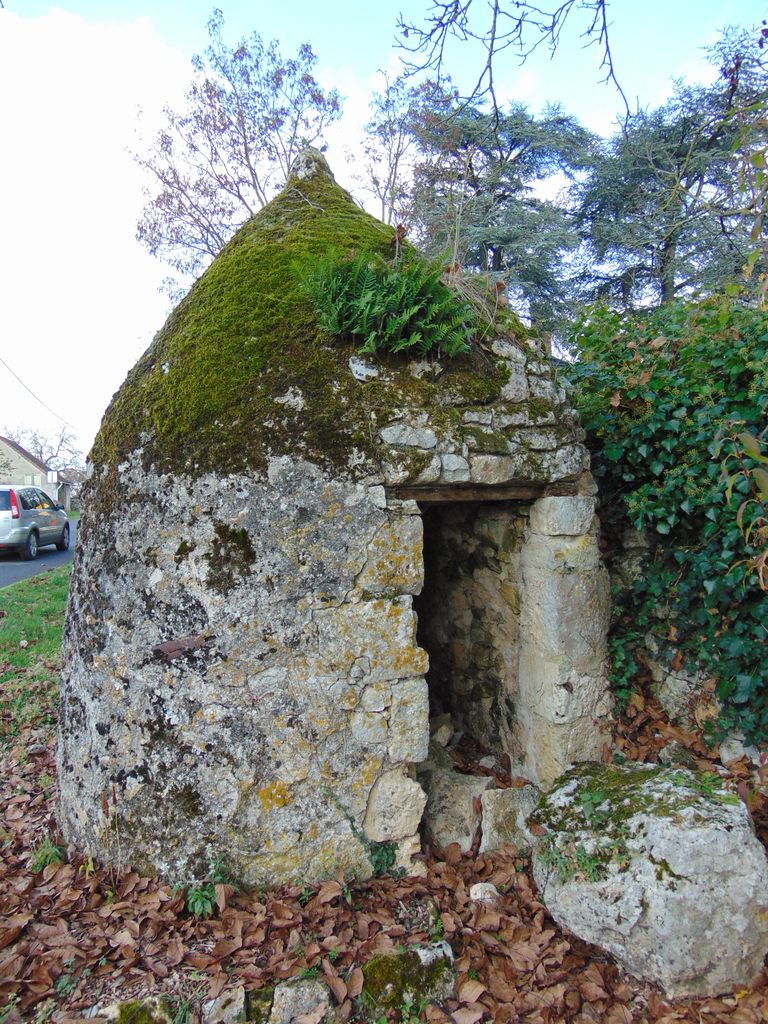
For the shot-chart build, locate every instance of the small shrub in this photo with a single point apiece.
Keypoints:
(390, 306)
(658, 393)
(201, 899)
(200, 896)
(45, 853)
(382, 857)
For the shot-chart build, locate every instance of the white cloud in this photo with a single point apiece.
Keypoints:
(78, 298)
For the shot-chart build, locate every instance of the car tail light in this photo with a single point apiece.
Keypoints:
(15, 514)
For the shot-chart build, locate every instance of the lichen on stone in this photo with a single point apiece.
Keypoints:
(142, 1011)
(592, 810)
(259, 1003)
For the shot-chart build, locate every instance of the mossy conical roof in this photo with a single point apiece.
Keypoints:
(210, 392)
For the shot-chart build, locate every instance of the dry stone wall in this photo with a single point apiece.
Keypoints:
(241, 675)
(530, 435)
(297, 687)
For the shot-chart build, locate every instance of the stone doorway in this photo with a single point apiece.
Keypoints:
(469, 617)
(513, 614)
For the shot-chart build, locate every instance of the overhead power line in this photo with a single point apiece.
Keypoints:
(26, 388)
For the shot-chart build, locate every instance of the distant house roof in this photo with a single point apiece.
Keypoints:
(38, 463)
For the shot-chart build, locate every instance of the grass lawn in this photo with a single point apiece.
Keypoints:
(31, 622)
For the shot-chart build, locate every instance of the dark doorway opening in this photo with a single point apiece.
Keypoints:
(469, 617)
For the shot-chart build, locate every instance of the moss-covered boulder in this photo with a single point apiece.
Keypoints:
(407, 980)
(659, 866)
(152, 1010)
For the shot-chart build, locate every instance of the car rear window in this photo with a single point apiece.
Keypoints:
(5, 501)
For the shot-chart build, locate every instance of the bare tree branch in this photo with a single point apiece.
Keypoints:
(519, 25)
(249, 112)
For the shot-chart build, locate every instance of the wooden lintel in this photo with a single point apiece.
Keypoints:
(433, 493)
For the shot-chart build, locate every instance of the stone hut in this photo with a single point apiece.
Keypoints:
(286, 554)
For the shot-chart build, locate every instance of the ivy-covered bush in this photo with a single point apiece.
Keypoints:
(398, 305)
(659, 395)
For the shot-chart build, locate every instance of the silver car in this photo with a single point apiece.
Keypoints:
(30, 519)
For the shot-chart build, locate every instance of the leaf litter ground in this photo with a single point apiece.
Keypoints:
(74, 935)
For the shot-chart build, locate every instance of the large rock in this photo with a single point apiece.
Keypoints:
(296, 999)
(395, 807)
(659, 867)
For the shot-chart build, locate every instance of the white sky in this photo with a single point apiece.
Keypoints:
(79, 299)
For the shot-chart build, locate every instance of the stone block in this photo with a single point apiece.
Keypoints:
(431, 471)
(479, 417)
(409, 436)
(228, 1008)
(567, 515)
(406, 855)
(394, 560)
(492, 469)
(409, 721)
(485, 892)
(450, 815)
(508, 350)
(543, 388)
(395, 807)
(361, 370)
(516, 388)
(686, 696)
(564, 463)
(455, 469)
(564, 699)
(300, 997)
(505, 812)
(538, 440)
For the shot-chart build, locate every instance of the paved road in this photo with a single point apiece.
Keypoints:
(12, 569)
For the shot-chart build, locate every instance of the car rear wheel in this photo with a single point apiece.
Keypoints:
(62, 544)
(29, 551)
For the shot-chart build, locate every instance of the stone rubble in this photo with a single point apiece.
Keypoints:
(505, 813)
(451, 815)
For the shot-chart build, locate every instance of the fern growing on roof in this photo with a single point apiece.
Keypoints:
(387, 306)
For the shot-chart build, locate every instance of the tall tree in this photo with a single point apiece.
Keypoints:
(389, 148)
(477, 194)
(249, 112)
(742, 59)
(663, 208)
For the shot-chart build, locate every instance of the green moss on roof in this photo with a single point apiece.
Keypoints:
(205, 396)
